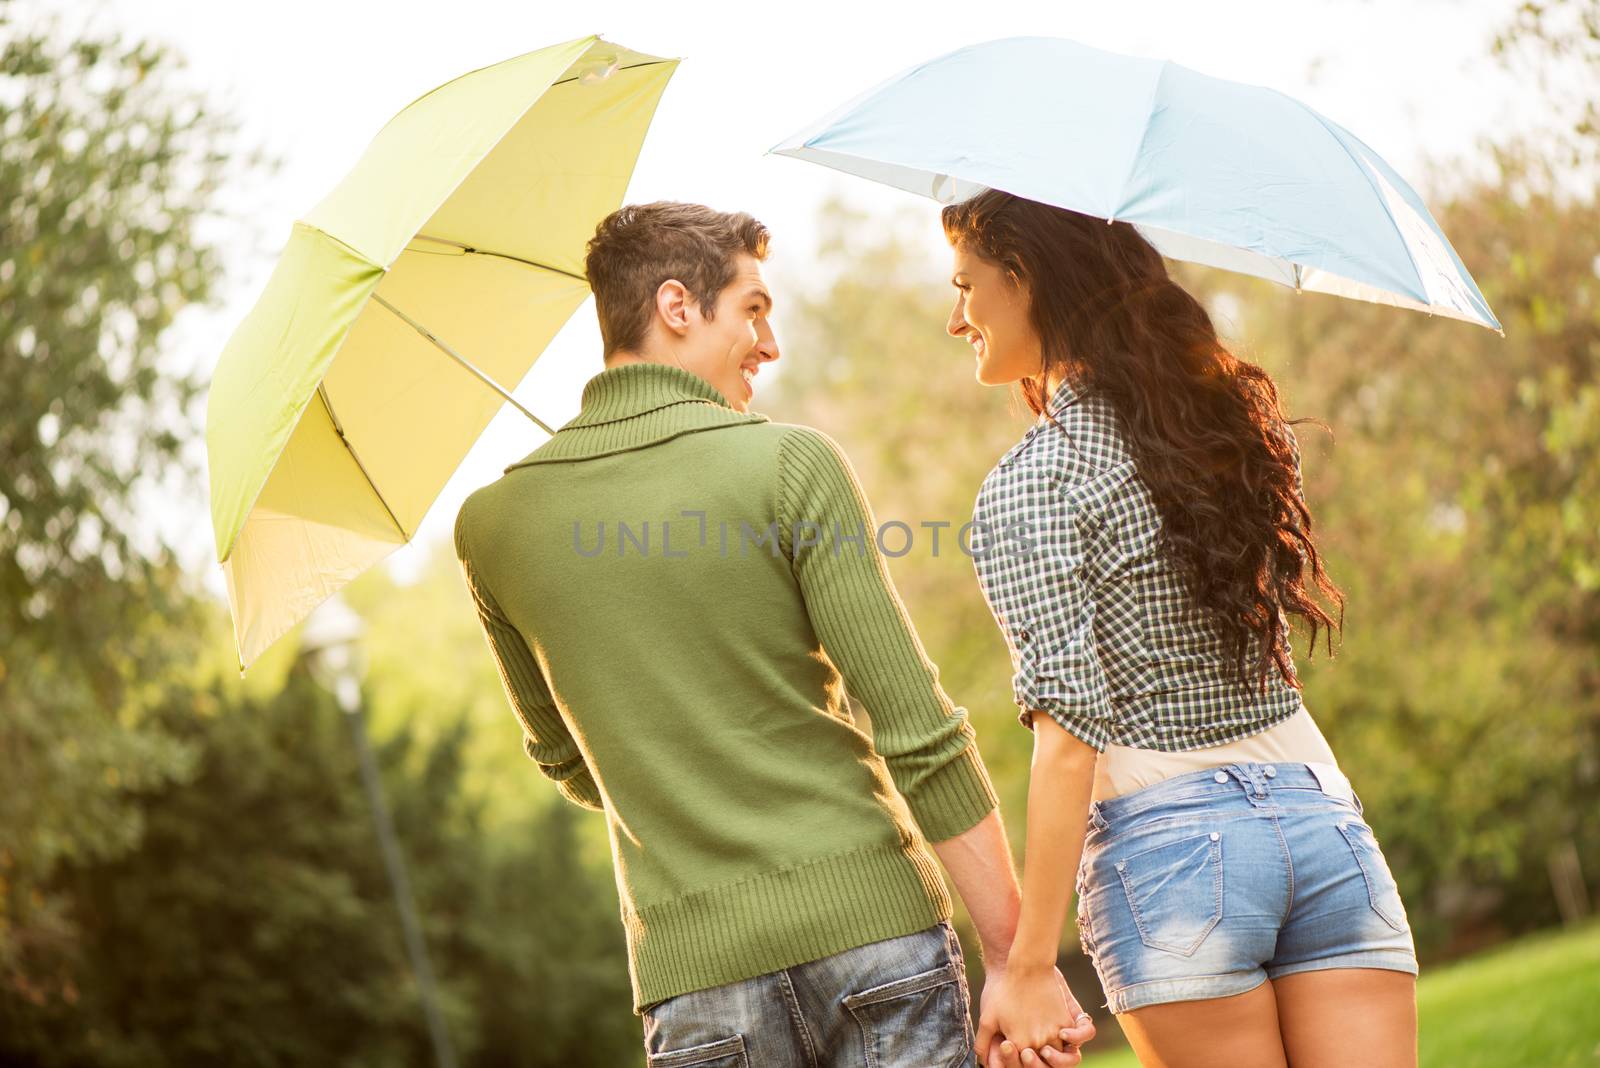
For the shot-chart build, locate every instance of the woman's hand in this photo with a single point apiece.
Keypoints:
(1029, 1017)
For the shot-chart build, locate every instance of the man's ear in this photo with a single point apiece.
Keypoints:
(672, 306)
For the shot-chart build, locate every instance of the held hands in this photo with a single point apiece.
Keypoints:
(1029, 1017)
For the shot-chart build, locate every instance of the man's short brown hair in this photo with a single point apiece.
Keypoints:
(639, 246)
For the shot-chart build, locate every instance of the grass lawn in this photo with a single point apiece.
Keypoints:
(1532, 1003)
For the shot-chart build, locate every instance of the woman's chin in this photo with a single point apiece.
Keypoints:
(991, 376)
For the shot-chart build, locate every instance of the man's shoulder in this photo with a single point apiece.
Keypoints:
(466, 515)
(793, 438)
(483, 507)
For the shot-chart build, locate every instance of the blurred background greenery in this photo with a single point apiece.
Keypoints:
(188, 868)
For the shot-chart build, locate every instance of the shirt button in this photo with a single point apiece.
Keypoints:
(1221, 776)
(1271, 771)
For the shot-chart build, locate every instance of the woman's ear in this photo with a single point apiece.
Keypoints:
(672, 306)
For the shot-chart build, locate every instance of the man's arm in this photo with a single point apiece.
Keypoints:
(980, 866)
(545, 737)
(924, 738)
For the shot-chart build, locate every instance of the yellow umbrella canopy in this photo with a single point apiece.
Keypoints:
(440, 267)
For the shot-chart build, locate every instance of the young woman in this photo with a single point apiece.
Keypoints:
(1142, 548)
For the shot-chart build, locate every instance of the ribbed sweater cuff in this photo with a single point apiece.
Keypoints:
(954, 798)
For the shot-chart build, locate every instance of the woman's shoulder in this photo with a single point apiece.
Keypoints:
(1081, 442)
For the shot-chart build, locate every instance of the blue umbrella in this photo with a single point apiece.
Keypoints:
(1211, 171)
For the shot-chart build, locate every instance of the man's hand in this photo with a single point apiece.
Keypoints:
(1034, 1008)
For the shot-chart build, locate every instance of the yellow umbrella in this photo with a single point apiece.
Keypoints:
(440, 267)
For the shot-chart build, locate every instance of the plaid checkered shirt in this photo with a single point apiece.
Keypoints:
(1104, 637)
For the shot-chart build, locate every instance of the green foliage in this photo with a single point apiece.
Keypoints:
(251, 925)
(255, 923)
(106, 174)
(1556, 45)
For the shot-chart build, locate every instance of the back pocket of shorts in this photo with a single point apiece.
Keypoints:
(1382, 891)
(724, 1053)
(915, 1022)
(1175, 891)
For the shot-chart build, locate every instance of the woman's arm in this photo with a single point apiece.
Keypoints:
(1059, 786)
(1027, 1009)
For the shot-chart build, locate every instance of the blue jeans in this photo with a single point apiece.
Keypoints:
(899, 1003)
(1210, 883)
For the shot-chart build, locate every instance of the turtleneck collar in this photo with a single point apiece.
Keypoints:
(634, 405)
(631, 389)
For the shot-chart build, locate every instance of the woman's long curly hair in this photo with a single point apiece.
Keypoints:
(1206, 429)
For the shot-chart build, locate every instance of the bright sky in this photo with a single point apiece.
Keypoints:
(313, 81)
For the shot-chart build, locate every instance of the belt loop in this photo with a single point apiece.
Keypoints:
(1096, 817)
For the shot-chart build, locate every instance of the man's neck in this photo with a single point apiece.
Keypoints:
(626, 356)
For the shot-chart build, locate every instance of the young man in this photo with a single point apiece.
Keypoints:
(678, 592)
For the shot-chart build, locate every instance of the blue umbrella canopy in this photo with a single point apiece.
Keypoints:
(1210, 171)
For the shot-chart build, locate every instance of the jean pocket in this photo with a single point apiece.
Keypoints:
(724, 1053)
(1382, 891)
(917, 1022)
(1174, 891)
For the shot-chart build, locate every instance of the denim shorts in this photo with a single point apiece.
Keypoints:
(898, 1003)
(1209, 883)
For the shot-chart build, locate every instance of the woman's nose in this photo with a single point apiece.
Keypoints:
(957, 326)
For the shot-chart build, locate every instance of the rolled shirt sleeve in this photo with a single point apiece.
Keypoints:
(925, 739)
(1031, 563)
(545, 737)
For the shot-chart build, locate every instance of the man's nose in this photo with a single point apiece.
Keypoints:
(766, 341)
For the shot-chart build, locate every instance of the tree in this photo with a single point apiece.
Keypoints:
(106, 176)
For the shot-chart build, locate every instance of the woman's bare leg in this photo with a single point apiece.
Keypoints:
(1342, 1016)
(1241, 1029)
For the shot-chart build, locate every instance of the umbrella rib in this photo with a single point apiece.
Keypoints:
(631, 66)
(448, 351)
(338, 428)
(1133, 162)
(1383, 201)
(502, 255)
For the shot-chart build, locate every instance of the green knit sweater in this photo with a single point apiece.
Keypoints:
(677, 596)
